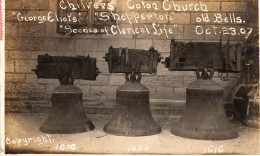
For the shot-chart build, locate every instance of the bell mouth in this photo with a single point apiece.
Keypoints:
(210, 134)
(132, 132)
(67, 128)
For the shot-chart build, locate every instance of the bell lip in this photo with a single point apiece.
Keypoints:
(116, 132)
(193, 134)
(87, 127)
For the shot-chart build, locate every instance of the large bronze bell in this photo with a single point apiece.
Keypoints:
(67, 112)
(204, 116)
(132, 116)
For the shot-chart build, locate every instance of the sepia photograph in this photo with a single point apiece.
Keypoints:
(135, 77)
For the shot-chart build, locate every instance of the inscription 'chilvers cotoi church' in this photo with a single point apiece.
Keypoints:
(167, 5)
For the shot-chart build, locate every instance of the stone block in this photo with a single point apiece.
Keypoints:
(163, 92)
(6, 55)
(86, 93)
(162, 45)
(97, 55)
(87, 45)
(19, 55)
(152, 80)
(10, 77)
(13, 43)
(30, 43)
(18, 107)
(105, 44)
(102, 66)
(53, 5)
(143, 44)
(123, 6)
(25, 66)
(175, 80)
(31, 29)
(37, 5)
(179, 18)
(49, 89)
(231, 83)
(116, 43)
(101, 80)
(9, 66)
(152, 91)
(31, 78)
(179, 93)
(11, 28)
(68, 53)
(59, 44)
(117, 79)
(13, 4)
(106, 91)
(25, 90)
(233, 6)
(188, 80)
(212, 6)
(35, 54)
(190, 32)
(162, 70)
(85, 89)
(51, 31)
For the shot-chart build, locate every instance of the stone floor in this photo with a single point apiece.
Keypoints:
(23, 126)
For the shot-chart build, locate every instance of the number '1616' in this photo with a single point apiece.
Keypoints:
(214, 149)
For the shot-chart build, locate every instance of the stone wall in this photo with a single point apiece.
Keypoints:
(26, 40)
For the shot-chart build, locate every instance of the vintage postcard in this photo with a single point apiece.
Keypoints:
(146, 77)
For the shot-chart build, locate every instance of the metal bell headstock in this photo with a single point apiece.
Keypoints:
(66, 69)
(124, 60)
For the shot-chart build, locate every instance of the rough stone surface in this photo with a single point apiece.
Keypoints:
(234, 6)
(26, 40)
